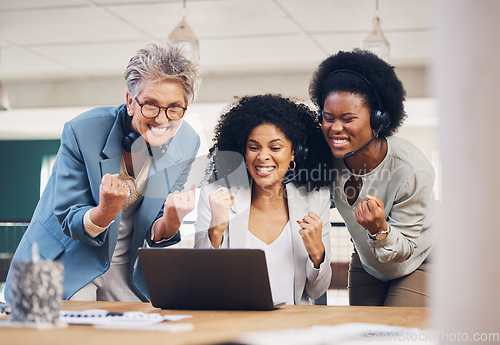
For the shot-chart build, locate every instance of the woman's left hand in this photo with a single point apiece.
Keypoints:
(370, 214)
(311, 231)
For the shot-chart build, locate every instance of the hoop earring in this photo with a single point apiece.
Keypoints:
(294, 165)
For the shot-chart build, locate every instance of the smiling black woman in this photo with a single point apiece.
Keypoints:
(284, 208)
(383, 190)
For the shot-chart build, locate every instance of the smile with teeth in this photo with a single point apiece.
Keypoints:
(339, 141)
(264, 170)
(157, 130)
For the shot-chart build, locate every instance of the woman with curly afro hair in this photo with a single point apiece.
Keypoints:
(284, 206)
(383, 186)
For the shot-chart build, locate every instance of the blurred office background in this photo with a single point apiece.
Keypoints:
(61, 57)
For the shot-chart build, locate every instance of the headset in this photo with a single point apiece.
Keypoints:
(129, 136)
(300, 156)
(379, 118)
(301, 152)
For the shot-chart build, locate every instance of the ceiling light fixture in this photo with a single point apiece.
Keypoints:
(182, 35)
(376, 42)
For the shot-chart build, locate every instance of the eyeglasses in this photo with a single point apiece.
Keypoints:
(149, 110)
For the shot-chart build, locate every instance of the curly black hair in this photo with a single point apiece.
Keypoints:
(297, 122)
(380, 75)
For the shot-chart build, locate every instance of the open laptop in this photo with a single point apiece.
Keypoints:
(208, 279)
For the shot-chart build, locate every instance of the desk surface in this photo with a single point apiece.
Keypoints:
(210, 327)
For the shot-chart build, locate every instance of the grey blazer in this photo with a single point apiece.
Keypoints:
(309, 282)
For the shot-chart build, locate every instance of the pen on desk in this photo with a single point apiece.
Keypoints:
(114, 314)
(89, 314)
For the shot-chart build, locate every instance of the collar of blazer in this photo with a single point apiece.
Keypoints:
(297, 197)
(113, 146)
(242, 197)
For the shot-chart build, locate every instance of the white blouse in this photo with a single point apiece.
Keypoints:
(280, 263)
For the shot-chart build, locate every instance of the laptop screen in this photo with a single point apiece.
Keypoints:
(209, 279)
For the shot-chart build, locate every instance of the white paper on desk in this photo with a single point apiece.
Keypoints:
(169, 327)
(348, 333)
(101, 316)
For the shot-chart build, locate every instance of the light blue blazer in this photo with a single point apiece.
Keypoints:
(90, 148)
(309, 283)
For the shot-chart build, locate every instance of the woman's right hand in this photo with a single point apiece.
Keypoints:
(113, 194)
(220, 203)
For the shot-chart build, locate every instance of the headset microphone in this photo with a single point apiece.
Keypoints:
(288, 180)
(350, 154)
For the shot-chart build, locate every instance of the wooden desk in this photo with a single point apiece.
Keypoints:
(210, 327)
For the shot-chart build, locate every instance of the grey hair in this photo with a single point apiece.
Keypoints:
(159, 63)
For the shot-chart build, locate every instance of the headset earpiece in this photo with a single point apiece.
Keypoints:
(380, 119)
(300, 154)
(320, 117)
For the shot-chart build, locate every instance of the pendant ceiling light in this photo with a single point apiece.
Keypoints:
(376, 42)
(182, 35)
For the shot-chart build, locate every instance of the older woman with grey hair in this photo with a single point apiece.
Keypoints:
(117, 183)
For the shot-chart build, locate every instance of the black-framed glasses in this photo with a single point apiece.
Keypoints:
(149, 110)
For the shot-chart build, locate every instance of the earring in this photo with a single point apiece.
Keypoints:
(294, 165)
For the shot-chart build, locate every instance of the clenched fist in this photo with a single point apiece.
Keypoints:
(370, 214)
(311, 230)
(177, 205)
(221, 201)
(113, 194)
